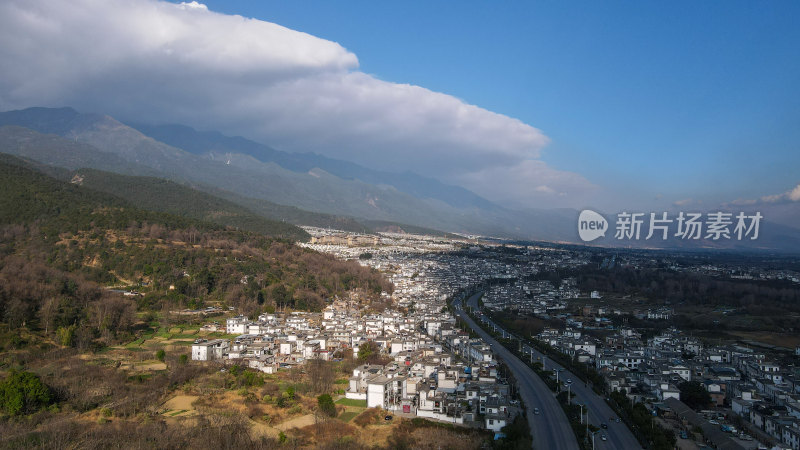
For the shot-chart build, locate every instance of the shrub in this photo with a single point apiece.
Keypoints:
(325, 403)
(250, 378)
(367, 417)
(283, 402)
(23, 393)
(367, 350)
(66, 335)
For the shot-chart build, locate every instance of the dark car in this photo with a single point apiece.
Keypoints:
(387, 418)
(604, 426)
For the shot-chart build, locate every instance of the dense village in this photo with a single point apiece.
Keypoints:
(439, 372)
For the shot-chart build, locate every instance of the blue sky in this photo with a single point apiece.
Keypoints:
(683, 99)
(612, 105)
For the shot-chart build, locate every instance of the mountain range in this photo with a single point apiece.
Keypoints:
(300, 188)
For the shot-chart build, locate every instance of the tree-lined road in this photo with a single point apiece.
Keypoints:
(550, 428)
(618, 435)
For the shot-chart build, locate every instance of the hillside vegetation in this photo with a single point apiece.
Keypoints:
(61, 243)
(73, 370)
(157, 194)
(61, 153)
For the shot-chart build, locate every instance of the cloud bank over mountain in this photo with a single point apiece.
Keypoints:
(530, 182)
(790, 196)
(153, 61)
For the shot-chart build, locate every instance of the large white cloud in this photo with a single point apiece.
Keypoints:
(152, 61)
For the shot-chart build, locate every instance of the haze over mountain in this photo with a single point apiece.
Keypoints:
(274, 184)
(242, 174)
(215, 144)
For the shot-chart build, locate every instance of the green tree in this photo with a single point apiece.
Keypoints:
(23, 393)
(517, 435)
(366, 350)
(325, 403)
(694, 394)
(183, 359)
(66, 335)
(250, 378)
(161, 354)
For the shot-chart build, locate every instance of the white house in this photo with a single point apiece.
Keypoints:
(681, 370)
(791, 437)
(495, 422)
(586, 346)
(667, 390)
(285, 348)
(203, 350)
(377, 392)
(237, 325)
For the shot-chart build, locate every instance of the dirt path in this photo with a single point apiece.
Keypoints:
(261, 429)
(181, 403)
(297, 422)
(150, 366)
(124, 282)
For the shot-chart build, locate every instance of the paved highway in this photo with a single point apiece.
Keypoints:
(618, 435)
(550, 428)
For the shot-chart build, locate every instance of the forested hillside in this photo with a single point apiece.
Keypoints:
(157, 194)
(61, 153)
(85, 275)
(62, 244)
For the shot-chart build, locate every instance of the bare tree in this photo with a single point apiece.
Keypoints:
(320, 375)
(47, 313)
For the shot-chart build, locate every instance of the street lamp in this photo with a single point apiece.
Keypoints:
(569, 394)
(587, 422)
